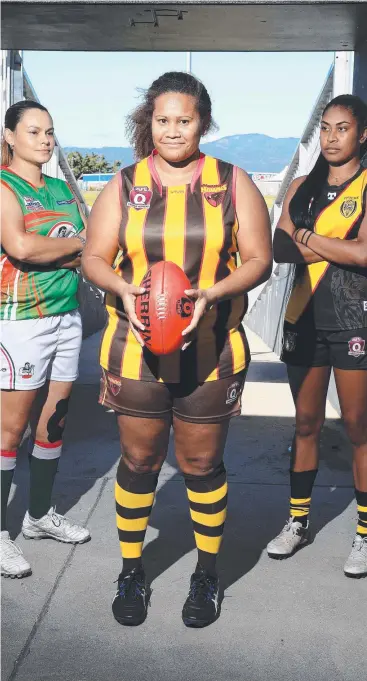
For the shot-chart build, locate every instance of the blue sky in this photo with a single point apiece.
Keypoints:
(90, 93)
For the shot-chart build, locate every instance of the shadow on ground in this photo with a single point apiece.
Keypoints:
(257, 462)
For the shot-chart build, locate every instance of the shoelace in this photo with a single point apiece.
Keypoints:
(202, 586)
(60, 519)
(359, 545)
(131, 583)
(289, 526)
(6, 542)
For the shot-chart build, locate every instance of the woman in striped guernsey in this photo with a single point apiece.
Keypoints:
(175, 204)
(323, 230)
(41, 241)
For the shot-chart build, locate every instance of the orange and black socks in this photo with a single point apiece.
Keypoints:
(301, 490)
(208, 508)
(134, 494)
(361, 498)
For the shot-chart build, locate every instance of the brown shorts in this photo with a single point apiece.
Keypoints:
(210, 402)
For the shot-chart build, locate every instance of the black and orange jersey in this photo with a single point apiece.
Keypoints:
(326, 295)
(194, 226)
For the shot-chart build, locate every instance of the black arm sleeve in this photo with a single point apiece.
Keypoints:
(285, 250)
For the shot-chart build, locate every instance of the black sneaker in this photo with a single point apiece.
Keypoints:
(130, 604)
(201, 607)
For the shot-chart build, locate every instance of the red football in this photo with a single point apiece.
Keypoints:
(164, 309)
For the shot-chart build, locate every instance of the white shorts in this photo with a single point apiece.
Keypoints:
(36, 350)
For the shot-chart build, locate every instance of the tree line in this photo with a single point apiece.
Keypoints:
(90, 163)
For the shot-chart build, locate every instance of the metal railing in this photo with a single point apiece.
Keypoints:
(59, 161)
(266, 315)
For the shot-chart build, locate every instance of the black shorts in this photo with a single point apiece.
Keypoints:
(312, 348)
(210, 402)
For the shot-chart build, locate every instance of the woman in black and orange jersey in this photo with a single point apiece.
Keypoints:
(323, 230)
(41, 327)
(175, 204)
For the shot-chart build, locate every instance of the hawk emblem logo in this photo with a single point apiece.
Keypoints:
(348, 207)
(214, 194)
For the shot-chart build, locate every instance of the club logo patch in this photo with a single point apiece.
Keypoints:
(233, 392)
(348, 207)
(357, 346)
(27, 370)
(214, 194)
(140, 197)
(62, 230)
(66, 202)
(290, 340)
(184, 307)
(31, 204)
(114, 384)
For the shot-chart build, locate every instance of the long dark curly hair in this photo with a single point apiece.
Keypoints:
(139, 122)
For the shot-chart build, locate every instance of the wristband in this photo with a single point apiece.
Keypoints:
(310, 233)
(295, 234)
(81, 238)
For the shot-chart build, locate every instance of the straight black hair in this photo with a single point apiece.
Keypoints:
(303, 204)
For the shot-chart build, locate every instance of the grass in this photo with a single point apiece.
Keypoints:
(90, 197)
(269, 201)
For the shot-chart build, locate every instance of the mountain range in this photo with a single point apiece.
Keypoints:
(253, 152)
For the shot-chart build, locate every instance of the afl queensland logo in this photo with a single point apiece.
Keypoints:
(290, 340)
(357, 346)
(62, 230)
(140, 197)
(348, 207)
(233, 393)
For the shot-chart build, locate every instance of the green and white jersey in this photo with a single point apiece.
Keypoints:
(29, 291)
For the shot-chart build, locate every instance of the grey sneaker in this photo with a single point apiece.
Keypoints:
(54, 526)
(356, 565)
(13, 563)
(292, 537)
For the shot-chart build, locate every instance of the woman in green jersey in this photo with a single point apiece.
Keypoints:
(41, 243)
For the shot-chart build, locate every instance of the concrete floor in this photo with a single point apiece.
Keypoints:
(296, 620)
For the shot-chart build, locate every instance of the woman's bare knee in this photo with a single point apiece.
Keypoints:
(308, 425)
(356, 427)
(144, 443)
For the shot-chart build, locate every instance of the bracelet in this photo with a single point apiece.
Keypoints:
(81, 238)
(310, 233)
(295, 234)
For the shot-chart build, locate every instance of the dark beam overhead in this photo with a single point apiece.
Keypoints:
(197, 26)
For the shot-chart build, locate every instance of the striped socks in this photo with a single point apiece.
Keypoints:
(134, 494)
(208, 508)
(361, 498)
(44, 460)
(301, 489)
(8, 460)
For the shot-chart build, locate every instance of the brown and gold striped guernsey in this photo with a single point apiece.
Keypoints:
(194, 226)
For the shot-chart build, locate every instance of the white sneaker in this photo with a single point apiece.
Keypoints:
(54, 526)
(292, 536)
(356, 565)
(13, 563)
